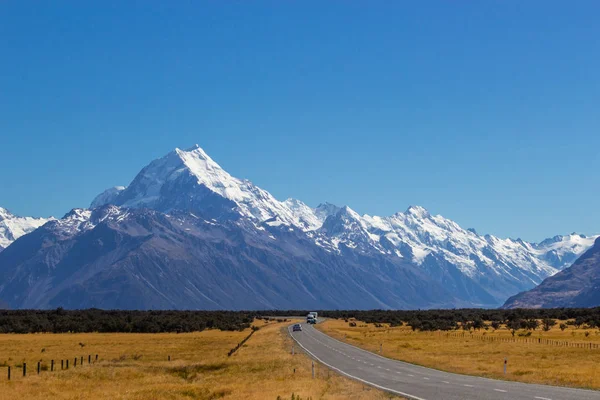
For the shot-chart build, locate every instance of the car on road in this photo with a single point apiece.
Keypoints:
(297, 328)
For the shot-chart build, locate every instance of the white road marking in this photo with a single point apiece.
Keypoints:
(376, 355)
(426, 378)
(356, 377)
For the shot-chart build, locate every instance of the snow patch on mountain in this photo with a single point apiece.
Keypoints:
(107, 197)
(79, 220)
(13, 227)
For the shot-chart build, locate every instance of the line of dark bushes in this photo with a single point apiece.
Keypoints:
(95, 320)
(466, 318)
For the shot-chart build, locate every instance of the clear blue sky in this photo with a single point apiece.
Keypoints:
(485, 112)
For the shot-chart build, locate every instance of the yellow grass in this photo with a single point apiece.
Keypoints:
(135, 366)
(527, 362)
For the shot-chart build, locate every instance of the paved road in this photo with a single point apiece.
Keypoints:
(420, 383)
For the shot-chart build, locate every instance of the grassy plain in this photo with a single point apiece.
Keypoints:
(136, 366)
(527, 362)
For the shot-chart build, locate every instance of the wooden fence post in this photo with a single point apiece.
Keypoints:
(24, 369)
(96, 357)
(39, 367)
(51, 365)
(67, 363)
(89, 359)
(81, 360)
(9, 372)
(75, 362)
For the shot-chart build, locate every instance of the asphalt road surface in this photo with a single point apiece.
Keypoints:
(420, 383)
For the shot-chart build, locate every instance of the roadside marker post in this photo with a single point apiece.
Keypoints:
(505, 362)
(24, 369)
(313, 370)
(9, 372)
(292, 349)
(39, 367)
(51, 365)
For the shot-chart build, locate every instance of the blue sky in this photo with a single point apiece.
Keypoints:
(484, 112)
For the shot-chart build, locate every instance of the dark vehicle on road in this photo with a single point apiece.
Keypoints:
(297, 328)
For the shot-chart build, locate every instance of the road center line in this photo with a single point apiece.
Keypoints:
(500, 390)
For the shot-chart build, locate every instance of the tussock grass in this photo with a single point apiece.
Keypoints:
(477, 354)
(136, 366)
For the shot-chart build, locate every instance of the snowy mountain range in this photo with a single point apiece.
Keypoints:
(330, 256)
(575, 286)
(12, 227)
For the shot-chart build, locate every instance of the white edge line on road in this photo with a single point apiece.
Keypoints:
(355, 377)
(500, 390)
(454, 373)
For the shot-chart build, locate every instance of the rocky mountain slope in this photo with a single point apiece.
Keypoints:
(12, 227)
(114, 257)
(261, 252)
(575, 286)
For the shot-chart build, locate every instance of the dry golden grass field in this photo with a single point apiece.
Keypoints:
(483, 352)
(136, 366)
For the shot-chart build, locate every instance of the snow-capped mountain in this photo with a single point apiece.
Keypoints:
(107, 197)
(186, 234)
(137, 258)
(575, 286)
(493, 267)
(450, 253)
(12, 227)
(190, 180)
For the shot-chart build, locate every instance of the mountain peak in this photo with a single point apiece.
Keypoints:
(208, 172)
(4, 213)
(194, 151)
(417, 211)
(194, 147)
